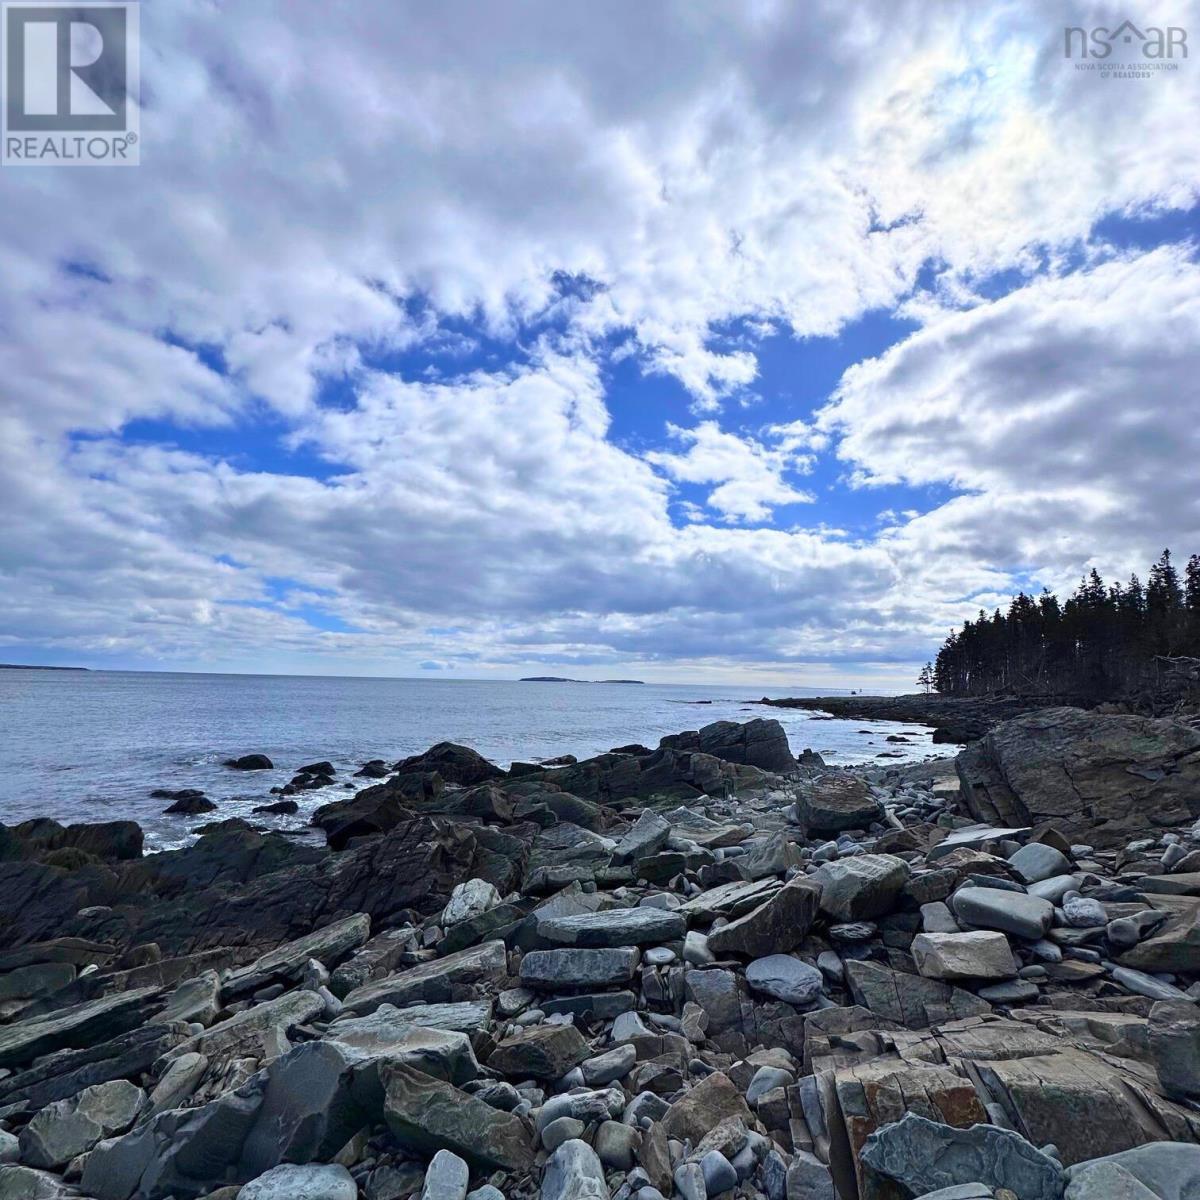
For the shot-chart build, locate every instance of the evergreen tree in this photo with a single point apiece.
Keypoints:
(1100, 642)
(1164, 606)
(1191, 591)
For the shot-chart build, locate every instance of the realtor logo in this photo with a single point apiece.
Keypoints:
(70, 86)
(1152, 42)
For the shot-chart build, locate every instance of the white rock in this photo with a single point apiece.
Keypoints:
(469, 900)
(447, 1178)
(309, 1182)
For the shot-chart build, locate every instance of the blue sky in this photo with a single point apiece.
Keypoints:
(657, 344)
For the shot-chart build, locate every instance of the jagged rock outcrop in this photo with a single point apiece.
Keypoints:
(1100, 779)
(759, 743)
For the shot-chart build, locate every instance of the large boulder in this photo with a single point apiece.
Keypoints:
(412, 868)
(574, 1173)
(25, 1183)
(861, 887)
(703, 1107)
(410, 1037)
(775, 927)
(1099, 778)
(250, 762)
(374, 810)
(68, 1128)
(454, 763)
(104, 839)
(647, 836)
(977, 955)
(836, 801)
(785, 978)
(542, 1052)
(1174, 947)
(923, 1155)
(1174, 1034)
(759, 743)
(1162, 1170)
(291, 1181)
(426, 1115)
(1017, 913)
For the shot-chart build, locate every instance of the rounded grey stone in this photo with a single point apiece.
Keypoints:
(785, 978)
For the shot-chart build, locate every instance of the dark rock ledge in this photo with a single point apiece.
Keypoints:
(954, 719)
(704, 970)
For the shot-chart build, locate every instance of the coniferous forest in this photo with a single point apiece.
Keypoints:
(1106, 641)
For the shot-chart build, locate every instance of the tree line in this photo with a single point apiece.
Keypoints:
(1103, 642)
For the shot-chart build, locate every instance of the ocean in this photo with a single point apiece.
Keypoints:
(92, 745)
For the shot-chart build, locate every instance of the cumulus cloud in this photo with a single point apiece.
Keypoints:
(749, 475)
(1067, 410)
(325, 194)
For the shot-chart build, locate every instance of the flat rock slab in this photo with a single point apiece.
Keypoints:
(82, 1025)
(614, 927)
(554, 970)
(454, 977)
(249, 1031)
(465, 1016)
(1186, 883)
(728, 900)
(974, 836)
(910, 1000)
(287, 962)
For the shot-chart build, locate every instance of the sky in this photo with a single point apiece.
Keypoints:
(751, 342)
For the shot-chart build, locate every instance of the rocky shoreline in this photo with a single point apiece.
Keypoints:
(955, 719)
(707, 970)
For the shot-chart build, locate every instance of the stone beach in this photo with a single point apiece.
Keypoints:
(711, 970)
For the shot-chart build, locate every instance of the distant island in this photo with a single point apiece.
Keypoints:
(33, 667)
(562, 679)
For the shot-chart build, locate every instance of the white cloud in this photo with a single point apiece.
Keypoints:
(310, 175)
(1067, 409)
(749, 475)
